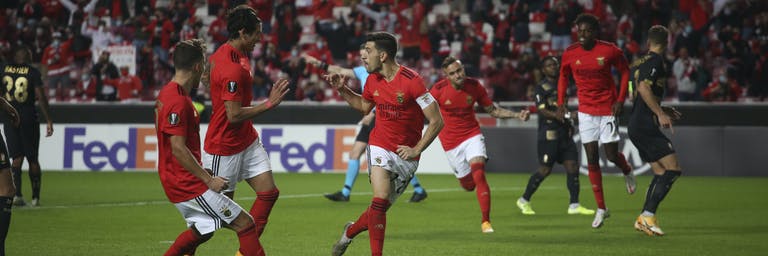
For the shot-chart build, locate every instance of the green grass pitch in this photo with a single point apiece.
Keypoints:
(88, 213)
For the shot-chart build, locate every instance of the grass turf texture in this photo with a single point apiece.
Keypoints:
(89, 213)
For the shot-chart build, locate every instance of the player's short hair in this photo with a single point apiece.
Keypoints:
(448, 61)
(548, 58)
(188, 53)
(658, 35)
(242, 17)
(589, 19)
(384, 42)
(23, 49)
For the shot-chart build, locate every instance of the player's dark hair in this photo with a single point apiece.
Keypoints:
(589, 19)
(242, 17)
(384, 42)
(448, 61)
(658, 35)
(27, 55)
(548, 58)
(188, 53)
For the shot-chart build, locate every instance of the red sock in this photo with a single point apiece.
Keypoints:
(249, 242)
(621, 162)
(467, 183)
(377, 224)
(186, 242)
(596, 178)
(360, 225)
(483, 191)
(261, 208)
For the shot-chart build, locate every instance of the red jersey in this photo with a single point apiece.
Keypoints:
(399, 118)
(592, 72)
(457, 108)
(230, 81)
(126, 85)
(174, 115)
(58, 59)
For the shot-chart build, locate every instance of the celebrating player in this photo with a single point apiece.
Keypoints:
(361, 141)
(462, 140)
(23, 85)
(644, 128)
(194, 191)
(589, 62)
(555, 142)
(401, 102)
(232, 147)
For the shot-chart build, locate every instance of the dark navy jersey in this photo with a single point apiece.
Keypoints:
(546, 98)
(19, 84)
(652, 70)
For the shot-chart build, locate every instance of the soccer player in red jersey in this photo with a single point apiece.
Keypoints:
(395, 144)
(232, 147)
(462, 140)
(589, 62)
(195, 192)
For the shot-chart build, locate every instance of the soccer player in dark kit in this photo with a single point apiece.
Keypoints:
(647, 118)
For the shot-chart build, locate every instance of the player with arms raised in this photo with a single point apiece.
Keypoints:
(396, 142)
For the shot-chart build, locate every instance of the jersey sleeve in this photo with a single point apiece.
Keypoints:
(540, 97)
(649, 71)
(482, 96)
(623, 67)
(233, 83)
(562, 82)
(419, 91)
(175, 119)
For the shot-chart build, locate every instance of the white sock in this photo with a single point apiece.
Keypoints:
(573, 206)
(647, 214)
(523, 200)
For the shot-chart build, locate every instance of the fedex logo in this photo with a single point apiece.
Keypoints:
(321, 153)
(96, 154)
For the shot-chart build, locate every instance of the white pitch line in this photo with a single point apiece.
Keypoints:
(145, 203)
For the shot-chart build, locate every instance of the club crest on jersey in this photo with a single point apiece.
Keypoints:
(400, 97)
(600, 61)
(173, 118)
(469, 99)
(232, 86)
(226, 211)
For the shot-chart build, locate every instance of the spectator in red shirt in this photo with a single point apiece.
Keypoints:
(128, 86)
(723, 89)
(86, 87)
(218, 29)
(57, 60)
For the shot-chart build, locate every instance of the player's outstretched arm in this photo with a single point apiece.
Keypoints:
(347, 72)
(339, 82)
(432, 113)
(42, 99)
(237, 113)
(504, 113)
(12, 113)
(187, 160)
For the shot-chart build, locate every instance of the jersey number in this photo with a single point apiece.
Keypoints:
(20, 93)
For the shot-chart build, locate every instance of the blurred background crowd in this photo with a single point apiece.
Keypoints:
(118, 50)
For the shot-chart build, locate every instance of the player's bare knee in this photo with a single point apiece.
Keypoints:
(17, 162)
(243, 221)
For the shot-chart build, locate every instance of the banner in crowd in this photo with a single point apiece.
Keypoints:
(292, 148)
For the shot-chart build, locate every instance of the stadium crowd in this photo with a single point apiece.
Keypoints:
(718, 49)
